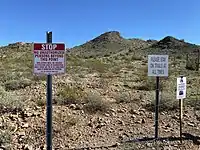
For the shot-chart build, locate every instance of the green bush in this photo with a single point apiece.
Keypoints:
(17, 84)
(191, 65)
(65, 120)
(147, 85)
(96, 65)
(5, 137)
(135, 57)
(179, 57)
(94, 104)
(8, 101)
(41, 102)
(123, 98)
(39, 78)
(69, 95)
(167, 102)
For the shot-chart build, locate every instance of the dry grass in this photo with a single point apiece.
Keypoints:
(70, 95)
(64, 120)
(40, 102)
(147, 85)
(191, 65)
(124, 97)
(17, 84)
(94, 104)
(9, 101)
(5, 137)
(167, 95)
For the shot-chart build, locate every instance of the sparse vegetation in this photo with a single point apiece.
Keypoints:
(64, 120)
(191, 65)
(124, 97)
(9, 101)
(96, 65)
(41, 102)
(17, 84)
(148, 85)
(5, 137)
(94, 103)
(135, 57)
(168, 102)
(69, 95)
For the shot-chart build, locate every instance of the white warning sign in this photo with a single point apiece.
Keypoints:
(181, 88)
(158, 65)
(49, 58)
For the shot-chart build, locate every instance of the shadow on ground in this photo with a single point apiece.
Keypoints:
(186, 136)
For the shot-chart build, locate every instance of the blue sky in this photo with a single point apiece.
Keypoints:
(77, 21)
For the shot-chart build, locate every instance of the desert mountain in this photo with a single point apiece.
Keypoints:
(112, 42)
(172, 43)
(107, 44)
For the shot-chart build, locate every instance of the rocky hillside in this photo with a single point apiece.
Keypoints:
(107, 44)
(170, 42)
(100, 103)
(112, 43)
(170, 45)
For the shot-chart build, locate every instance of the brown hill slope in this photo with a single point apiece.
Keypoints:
(171, 45)
(107, 44)
(112, 43)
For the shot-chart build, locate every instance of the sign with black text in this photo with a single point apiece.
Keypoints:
(181, 88)
(49, 58)
(158, 65)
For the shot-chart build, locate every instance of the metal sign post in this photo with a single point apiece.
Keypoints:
(156, 108)
(49, 59)
(157, 67)
(181, 116)
(49, 102)
(180, 95)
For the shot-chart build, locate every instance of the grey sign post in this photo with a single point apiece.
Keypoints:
(157, 67)
(49, 65)
(49, 102)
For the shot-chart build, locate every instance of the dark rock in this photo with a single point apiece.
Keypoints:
(143, 121)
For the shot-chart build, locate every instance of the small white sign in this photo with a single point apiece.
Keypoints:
(181, 88)
(158, 65)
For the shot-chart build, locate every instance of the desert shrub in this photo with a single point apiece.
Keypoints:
(94, 103)
(6, 76)
(8, 101)
(179, 57)
(96, 65)
(39, 78)
(116, 69)
(167, 102)
(191, 65)
(17, 84)
(147, 85)
(71, 121)
(74, 61)
(5, 137)
(124, 97)
(41, 102)
(65, 120)
(69, 95)
(136, 57)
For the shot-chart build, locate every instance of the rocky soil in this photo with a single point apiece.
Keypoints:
(73, 128)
